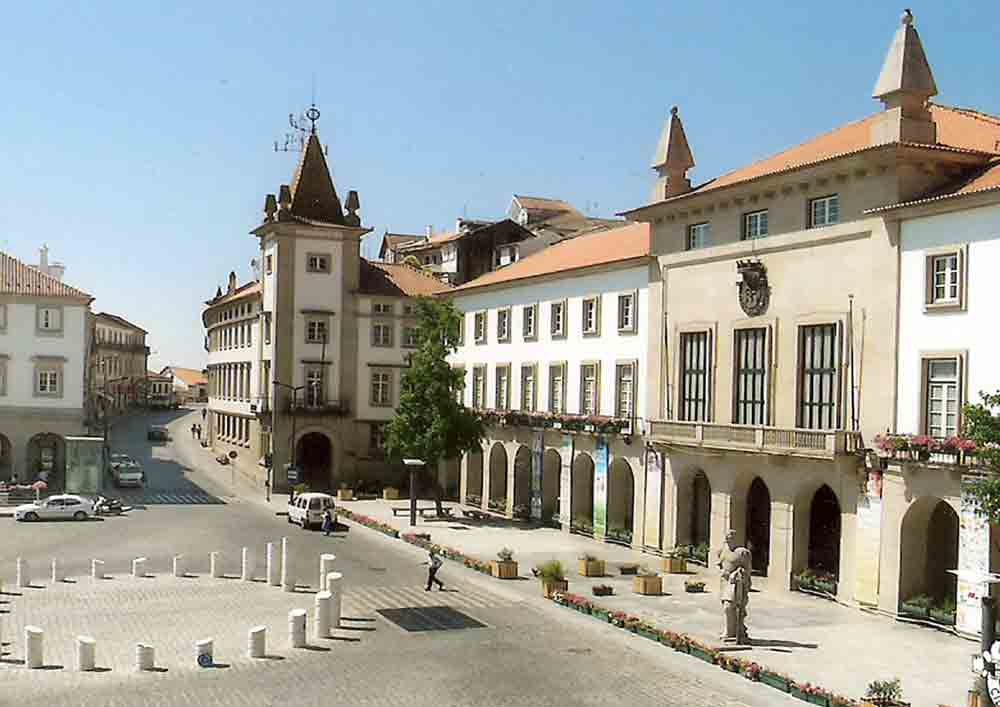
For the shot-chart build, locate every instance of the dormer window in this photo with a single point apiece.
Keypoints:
(505, 255)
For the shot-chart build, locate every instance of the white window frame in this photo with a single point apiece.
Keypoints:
(381, 387)
(381, 308)
(625, 372)
(590, 404)
(316, 330)
(410, 342)
(592, 306)
(529, 391)
(557, 386)
(380, 340)
(558, 332)
(318, 263)
(824, 211)
(502, 397)
(529, 322)
(480, 323)
(47, 381)
(503, 325)
(627, 305)
(698, 235)
(755, 224)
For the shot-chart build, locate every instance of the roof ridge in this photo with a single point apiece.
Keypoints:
(419, 271)
(971, 112)
(60, 287)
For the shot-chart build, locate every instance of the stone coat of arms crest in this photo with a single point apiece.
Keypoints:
(754, 290)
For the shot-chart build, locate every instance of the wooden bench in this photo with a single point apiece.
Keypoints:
(445, 511)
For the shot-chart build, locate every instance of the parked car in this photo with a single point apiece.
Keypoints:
(158, 433)
(63, 506)
(126, 471)
(307, 509)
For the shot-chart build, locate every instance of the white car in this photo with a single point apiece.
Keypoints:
(65, 506)
(307, 509)
(126, 471)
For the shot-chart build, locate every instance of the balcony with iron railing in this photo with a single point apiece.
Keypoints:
(118, 346)
(306, 402)
(787, 441)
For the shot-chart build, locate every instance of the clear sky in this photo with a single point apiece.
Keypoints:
(137, 137)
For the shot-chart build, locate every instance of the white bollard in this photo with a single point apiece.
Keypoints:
(273, 577)
(23, 573)
(139, 567)
(204, 647)
(246, 573)
(287, 583)
(178, 565)
(56, 578)
(325, 567)
(323, 614)
(214, 565)
(257, 642)
(335, 586)
(145, 658)
(34, 654)
(297, 628)
(86, 653)
(97, 569)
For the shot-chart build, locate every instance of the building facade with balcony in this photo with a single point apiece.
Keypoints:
(775, 361)
(118, 359)
(554, 350)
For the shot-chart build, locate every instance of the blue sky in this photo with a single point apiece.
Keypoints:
(137, 136)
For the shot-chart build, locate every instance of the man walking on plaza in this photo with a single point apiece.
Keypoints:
(327, 522)
(435, 565)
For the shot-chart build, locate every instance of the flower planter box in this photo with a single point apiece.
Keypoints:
(390, 494)
(591, 568)
(345, 494)
(702, 654)
(551, 587)
(504, 569)
(648, 586)
(651, 635)
(918, 612)
(799, 694)
(776, 681)
(600, 614)
(603, 591)
(945, 618)
(694, 588)
(675, 565)
(825, 587)
(883, 703)
(629, 569)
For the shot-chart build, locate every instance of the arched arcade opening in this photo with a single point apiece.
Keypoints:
(314, 457)
(522, 483)
(928, 549)
(621, 501)
(758, 525)
(498, 479)
(582, 495)
(551, 473)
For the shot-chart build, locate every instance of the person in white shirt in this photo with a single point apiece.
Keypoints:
(435, 565)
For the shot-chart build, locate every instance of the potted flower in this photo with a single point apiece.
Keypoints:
(648, 583)
(917, 606)
(590, 566)
(345, 492)
(751, 671)
(553, 577)
(808, 692)
(675, 561)
(730, 663)
(775, 680)
(618, 618)
(694, 586)
(703, 652)
(603, 590)
(505, 566)
(884, 693)
(390, 493)
(943, 612)
(922, 445)
(627, 568)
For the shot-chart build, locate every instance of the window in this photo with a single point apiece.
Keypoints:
(557, 388)
(824, 211)
(269, 264)
(503, 387)
(460, 385)
(589, 390)
(317, 263)
(382, 308)
(699, 235)
(382, 334)
(695, 375)
(558, 319)
(411, 337)
(750, 377)
(315, 331)
(461, 328)
(267, 327)
(3, 377)
(591, 316)
(529, 316)
(819, 376)
(376, 440)
(314, 386)
(944, 285)
(505, 255)
(381, 387)
(625, 390)
(626, 312)
(3, 317)
(528, 390)
(48, 382)
(480, 327)
(755, 225)
(478, 387)
(503, 325)
(407, 310)
(49, 319)
(942, 397)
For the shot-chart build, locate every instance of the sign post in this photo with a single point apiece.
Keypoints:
(413, 465)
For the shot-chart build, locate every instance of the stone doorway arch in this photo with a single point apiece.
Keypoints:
(824, 531)
(314, 457)
(474, 478)
(551, 476)
(522, 482)
(758, 524)
(928, 549)
(6, 459)
(498, 479)
(621, 501)
(582, 495)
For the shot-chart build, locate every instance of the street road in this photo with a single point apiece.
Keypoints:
(528, 652)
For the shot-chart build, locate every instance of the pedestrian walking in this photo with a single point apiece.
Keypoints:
(327, 522)
(435, 564)
(194, 429)
(198, 431)
(204, 412)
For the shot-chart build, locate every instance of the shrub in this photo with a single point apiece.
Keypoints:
(505, 554)
(884, 690)
(587, 557)
(551, 571)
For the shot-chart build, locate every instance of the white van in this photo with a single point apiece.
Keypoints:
(307, 509)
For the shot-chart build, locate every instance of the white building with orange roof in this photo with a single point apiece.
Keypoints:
(554, 349)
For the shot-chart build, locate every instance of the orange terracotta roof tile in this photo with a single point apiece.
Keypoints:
(19, 278)
(986, 179)
(600, 248)
(121, 321)
(957, 128)
(397, 280)
(190, 376)
(246, 290)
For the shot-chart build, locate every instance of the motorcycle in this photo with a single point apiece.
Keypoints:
(109, 506)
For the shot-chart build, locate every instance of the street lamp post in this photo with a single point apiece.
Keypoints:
(414, 465)
(294, 390)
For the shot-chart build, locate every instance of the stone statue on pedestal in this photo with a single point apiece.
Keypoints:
(734, 589)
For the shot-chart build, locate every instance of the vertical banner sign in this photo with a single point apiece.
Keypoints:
(973, 563)
(565, 479)
(537, 458)
(869, 539)
(652, 521)
(601, 488)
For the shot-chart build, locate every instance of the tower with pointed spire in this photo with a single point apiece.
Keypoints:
(905, 86)
(672, 160)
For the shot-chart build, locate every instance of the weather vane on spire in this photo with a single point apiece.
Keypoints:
(295, 139)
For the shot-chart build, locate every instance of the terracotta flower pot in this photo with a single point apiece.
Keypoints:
(550, 587)
(504, 569)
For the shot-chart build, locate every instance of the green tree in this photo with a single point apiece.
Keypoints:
(983, 426)
(430, 423)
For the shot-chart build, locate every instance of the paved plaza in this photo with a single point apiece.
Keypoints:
(811, 639)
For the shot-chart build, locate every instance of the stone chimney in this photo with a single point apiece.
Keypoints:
(232, 283)
(429, 231)
(672, 161)
(905, 87)
(284, 203)
(43, 258)
(270, 208)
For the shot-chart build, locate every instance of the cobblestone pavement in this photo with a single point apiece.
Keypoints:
(528, 653)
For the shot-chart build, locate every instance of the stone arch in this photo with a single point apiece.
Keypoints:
(582, 495)
(6, 459)
(314, 458)
(824, 531)
(522, 482)
(47, 459)
(758, 524)
(498, 478)
(551, 483)
(474, 477)
(928, 549)
(693, 507)
(621, 501)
